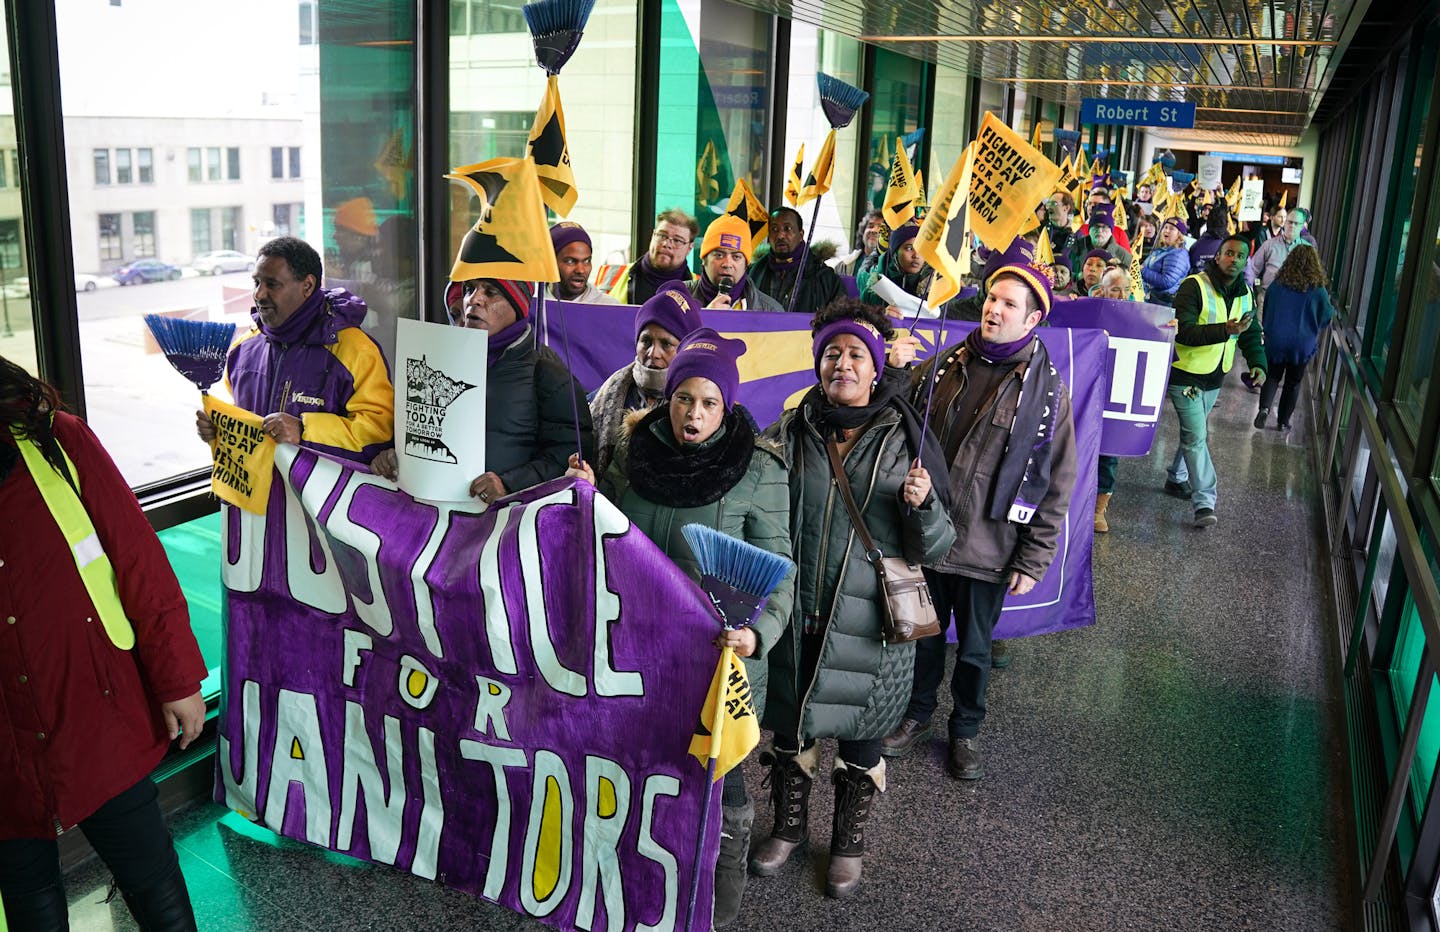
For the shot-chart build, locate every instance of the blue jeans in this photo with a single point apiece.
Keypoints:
(1192, 459)
(1105, 474)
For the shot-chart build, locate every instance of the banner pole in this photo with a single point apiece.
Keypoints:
(805, 257)
(717, 728)
(565, 339)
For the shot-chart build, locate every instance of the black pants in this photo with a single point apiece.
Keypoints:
(976, 606)
(1293, 373)
(863, 754)
(127, 832)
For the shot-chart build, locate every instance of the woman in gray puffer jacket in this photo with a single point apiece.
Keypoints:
(696, 458)
(833, 675)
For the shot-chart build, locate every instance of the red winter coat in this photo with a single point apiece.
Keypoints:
(80, 719)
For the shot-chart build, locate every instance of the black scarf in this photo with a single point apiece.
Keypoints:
(834, 420)
(689, 478)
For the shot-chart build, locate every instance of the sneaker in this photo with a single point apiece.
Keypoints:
(999, 655)
(1282, 427)
(1177, 489)
(1205, 517)
(1260, 418)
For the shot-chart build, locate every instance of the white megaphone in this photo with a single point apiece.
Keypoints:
(908, 304)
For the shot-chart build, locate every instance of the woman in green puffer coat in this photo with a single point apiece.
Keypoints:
(833, 675)
(696, 458)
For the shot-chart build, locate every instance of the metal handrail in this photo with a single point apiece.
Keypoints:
(1423, 591)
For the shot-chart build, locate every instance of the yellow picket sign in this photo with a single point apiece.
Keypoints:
(244, 456)
(1009, 178)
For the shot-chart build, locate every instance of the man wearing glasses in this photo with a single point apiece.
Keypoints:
(675, 232)
(1266, 262)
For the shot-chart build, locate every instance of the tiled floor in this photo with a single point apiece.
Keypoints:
(1177, 766)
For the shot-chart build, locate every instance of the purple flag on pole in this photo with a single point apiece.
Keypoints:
(500, 700)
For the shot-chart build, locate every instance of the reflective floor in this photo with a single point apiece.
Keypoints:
(1180, 765)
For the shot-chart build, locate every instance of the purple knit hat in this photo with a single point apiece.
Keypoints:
(673, 309)
(1020, 263)
(707, 354)
(1100, 254)
(899, 237)
(1102, 215)
(1019, 246)
(566, 232)
(866, 332)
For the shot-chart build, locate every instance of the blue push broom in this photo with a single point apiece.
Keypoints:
(738, 578)
(196, 348)
(841, 102)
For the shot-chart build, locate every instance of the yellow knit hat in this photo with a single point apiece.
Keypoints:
(727, 231)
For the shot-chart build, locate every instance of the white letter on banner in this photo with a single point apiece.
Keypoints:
(323, 591)
(355, 642)
(549, 858)
(497, 617)
(656, 785)
(376, 612)
(498, 759)
(490, 700)
(1146, 362)
(432, 815)
(245, 573)
(424, 600)
(299, 756)
(241, 796)
(608, 521)
(607, 806)
(384, 815)
(559, 677)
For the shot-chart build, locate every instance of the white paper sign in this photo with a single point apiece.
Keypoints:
(1252, 199)
(439, 408)
(1209, 172)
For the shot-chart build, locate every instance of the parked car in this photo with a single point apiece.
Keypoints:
(145, 270)
(85, 282)
(20, 287)
(223, 260)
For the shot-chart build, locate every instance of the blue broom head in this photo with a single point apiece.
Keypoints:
(196, 348)
(738, 577)
(556, 27)
(839, 100)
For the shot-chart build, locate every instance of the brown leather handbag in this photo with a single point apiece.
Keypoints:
(908, 610)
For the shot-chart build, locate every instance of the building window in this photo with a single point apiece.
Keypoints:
(232, 163)
(280, 216)
(3, 182)
(307, 22)
(294, 161)
(192, 161)
(122, 166)
(277, 162)
(212, 163)
(15, 166)
(109, 236)
(144, 225)
(102, 166)
(145, 162)
(199, 230)
(230, 228)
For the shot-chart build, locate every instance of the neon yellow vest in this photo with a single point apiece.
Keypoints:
(1203, 360)
(90, 559)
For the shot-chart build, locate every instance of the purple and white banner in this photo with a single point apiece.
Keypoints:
(499, 699)
(778, 368)
(1142, 344)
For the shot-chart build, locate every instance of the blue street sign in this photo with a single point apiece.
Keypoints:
(1250, 158)
(1120, 112)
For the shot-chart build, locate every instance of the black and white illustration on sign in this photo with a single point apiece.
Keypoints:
(429, 393)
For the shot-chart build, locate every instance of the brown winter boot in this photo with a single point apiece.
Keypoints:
(1102, 502)
(854, 792)
(790, 779)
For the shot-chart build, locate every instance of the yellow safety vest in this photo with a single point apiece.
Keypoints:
(90, 559)
(1203, 360)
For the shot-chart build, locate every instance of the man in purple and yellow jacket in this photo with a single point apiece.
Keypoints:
(307, 367)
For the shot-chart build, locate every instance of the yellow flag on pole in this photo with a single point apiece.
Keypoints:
(942, 238)
(1044, 252)
(1283, 196)
(707, 171)
(511, 238)
(244, 456)
(920, 202)
(1009, 179)
(395, 164)
(745, 205)
(900, 193)
(792, 180)
(727, 731)
(547, 146)
(822, 173)
(1137, 280)
(1035, 136)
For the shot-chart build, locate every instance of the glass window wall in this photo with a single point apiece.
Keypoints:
(17, 320)
(209, 135)
(897, 104)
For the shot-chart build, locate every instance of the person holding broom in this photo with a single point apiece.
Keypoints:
(698, 457)
(832, 674)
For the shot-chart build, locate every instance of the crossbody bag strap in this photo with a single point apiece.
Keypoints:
(872, 553)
